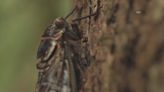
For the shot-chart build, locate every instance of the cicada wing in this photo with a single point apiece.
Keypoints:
(46, 49)
(59, 78)
(69, 79)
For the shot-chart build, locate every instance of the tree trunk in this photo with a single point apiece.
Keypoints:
(125, 40)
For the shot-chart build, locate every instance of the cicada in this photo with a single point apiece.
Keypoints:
(55, 66)
(56, 72)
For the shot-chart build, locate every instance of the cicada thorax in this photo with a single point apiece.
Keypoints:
(49, 44)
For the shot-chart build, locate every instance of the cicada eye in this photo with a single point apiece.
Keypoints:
(60, 22)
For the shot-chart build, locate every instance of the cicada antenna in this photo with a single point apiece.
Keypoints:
(70, 13)
(87, 16)
(77, 19)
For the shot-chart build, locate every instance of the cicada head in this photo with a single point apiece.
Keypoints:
(57, 26)
(60, 23)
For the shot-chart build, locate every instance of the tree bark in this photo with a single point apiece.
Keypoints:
(125, 43)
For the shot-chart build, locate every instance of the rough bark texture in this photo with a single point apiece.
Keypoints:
(126, 43)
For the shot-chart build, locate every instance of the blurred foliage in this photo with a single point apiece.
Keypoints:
(21, 25)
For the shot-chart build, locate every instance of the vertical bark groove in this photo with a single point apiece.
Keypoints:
(125, 42)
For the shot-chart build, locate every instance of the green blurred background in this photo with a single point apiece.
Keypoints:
(21, 24)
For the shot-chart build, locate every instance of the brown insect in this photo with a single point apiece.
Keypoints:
(56, 69)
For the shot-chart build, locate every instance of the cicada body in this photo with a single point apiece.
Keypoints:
(56, 71)
(50, 42)
(56, 54)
